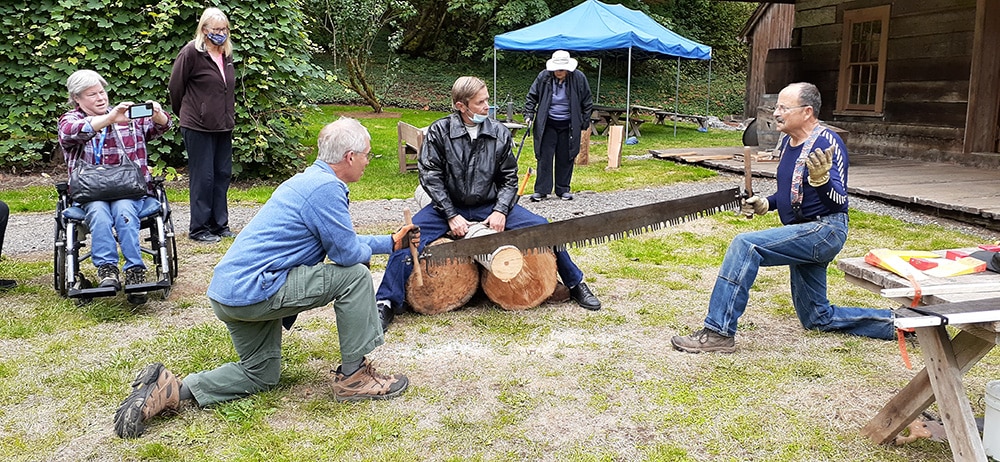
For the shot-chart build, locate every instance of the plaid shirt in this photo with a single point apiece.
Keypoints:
(76, 133)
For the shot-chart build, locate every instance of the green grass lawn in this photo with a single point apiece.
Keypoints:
(382, 179)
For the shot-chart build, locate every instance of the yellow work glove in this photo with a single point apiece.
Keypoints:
(406, 235)
(819, 163)
(754, 205)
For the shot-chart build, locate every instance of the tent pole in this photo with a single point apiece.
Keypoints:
(628, 94)
(677, 94)
(709, 96)
(600, 67)
(495, 75)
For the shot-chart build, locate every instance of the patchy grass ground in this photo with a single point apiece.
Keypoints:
(551, 383)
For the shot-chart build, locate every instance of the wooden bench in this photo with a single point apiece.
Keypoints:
(701, 120)
(410, 140)
(633, 126)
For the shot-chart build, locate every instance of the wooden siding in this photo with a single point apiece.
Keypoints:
(771, 28)
(928, 64)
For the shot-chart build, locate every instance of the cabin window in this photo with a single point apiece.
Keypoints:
(862, 61)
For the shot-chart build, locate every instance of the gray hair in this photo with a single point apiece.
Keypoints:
(337, 138)
(809, 96)
(465, 88)
(82, 80)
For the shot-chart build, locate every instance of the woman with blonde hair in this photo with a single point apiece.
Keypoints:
(203, 95)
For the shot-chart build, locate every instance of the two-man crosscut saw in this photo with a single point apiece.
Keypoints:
(587, 230)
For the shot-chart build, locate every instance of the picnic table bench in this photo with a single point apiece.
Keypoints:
(976, 313)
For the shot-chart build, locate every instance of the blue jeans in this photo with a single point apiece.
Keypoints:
(123, 217)
(807, 249)
(433, 226)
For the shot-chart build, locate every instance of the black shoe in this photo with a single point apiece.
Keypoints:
(7, 284)
(226, 233)
(566, 196)
(205, 237)
(108, 275)
(535, 197)
(133, 276)
(385, 314)
(582, 295)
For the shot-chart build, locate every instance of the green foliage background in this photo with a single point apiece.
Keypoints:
(132, 44)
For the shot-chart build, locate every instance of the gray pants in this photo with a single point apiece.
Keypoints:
(256, 329)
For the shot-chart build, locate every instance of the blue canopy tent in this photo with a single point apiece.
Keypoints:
(597, 29)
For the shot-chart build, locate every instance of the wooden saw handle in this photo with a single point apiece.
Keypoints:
(417, 273)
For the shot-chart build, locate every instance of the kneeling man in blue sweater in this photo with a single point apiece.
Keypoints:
(277, 268)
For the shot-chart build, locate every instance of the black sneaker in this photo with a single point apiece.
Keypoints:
(7, 284)
(108, 275)
(536, 197)
(136, 275)
(566, 196)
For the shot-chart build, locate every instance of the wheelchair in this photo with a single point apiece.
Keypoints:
(71, 238)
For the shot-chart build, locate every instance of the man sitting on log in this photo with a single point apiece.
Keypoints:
(468, 169)
(811, 202)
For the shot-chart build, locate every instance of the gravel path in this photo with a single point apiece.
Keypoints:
(30, 233)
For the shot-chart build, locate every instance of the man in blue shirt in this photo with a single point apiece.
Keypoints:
(276, 269)
(811, 201)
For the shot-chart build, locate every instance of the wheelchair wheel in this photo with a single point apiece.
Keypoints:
(59, 261)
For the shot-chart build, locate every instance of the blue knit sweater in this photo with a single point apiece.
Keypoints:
(305, 221)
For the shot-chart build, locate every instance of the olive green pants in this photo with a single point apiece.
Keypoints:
(256, 329)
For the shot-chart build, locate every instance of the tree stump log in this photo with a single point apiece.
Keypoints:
(446, 287)
(529, 288)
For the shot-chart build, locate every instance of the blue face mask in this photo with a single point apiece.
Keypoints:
(217, 39)
(478, 118)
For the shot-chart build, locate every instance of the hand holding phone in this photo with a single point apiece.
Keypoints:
(138, 111)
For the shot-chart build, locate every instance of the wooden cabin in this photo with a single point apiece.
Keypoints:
(769, 29)
(907, 78)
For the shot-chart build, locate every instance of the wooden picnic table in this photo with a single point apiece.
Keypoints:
(973, 306)
(612, 116)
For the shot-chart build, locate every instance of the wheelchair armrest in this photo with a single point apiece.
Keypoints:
(62, 187)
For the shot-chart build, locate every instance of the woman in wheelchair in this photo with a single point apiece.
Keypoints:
(97, 133)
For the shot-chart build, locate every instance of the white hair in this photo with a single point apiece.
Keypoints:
(337, 138)
(82, 80)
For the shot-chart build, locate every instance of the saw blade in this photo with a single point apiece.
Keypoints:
(587, 230)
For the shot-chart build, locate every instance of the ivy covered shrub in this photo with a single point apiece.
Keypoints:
(132, 44)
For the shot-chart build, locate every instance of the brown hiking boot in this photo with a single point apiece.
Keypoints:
(704, 341)
(155, 390)
(366, 384)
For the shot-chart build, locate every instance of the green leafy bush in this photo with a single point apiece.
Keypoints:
(132, 44)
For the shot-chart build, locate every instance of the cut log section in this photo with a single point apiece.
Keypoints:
(534, 284)
(505, 262)
(445, 288)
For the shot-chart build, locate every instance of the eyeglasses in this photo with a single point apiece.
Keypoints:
(782, 109)
(218, 30)
(368, 155)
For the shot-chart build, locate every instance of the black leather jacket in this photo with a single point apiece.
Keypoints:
(457, 171)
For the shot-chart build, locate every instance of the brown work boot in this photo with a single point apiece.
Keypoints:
(155, 390)
(704, 341)
(366, 383)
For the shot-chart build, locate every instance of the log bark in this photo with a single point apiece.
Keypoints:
(533, 285)
(445, 287)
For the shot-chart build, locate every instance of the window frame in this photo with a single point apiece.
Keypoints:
(852, 17)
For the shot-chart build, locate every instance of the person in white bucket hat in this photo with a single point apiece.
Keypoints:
(559, 102)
